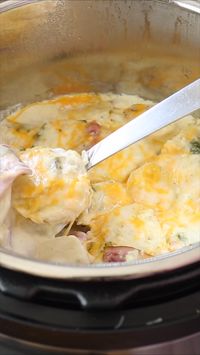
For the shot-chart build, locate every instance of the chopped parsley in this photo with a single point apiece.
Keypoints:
(182, 237)
(107, 245)
(58, 163)
(195, 146)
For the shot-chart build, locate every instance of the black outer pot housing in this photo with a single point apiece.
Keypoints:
(101, 315)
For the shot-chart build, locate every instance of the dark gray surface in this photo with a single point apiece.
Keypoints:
(185, 346)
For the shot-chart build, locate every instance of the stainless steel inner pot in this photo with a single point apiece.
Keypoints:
(145, 47)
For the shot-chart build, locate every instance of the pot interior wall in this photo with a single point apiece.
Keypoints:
(54, 47)
(145, 47)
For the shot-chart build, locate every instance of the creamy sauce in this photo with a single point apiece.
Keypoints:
(143, 201)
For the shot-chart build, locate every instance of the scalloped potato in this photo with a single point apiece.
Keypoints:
(141, 202)
(57, 191)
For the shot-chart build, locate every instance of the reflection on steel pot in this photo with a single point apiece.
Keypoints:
(146, 47)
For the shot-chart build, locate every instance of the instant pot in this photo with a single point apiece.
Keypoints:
(145, 47)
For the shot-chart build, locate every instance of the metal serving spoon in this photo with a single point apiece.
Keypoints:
(176, 106)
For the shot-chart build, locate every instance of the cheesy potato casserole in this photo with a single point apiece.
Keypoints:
(143, 201)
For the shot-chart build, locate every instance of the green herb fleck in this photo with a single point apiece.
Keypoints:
(195, 146)
(182, 237)
(43, 126)
(58, 163)
(107, 245)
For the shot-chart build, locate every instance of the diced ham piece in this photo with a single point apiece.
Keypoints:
(10, 168)
(93, 128)
(116, 254)
(82, 236)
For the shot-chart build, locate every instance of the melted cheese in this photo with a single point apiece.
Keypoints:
(106, 196)
(132, 225)
(58, 189)
(146, 196)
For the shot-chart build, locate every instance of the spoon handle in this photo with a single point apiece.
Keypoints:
(176, 106)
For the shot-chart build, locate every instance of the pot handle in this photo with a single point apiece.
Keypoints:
(87, 295)
(100, 294)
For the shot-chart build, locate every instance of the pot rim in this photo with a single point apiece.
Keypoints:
(188, 5)
(136, 269)
(8, 5)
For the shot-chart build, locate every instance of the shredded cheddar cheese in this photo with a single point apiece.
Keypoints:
(58, 189)
(145, 198)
